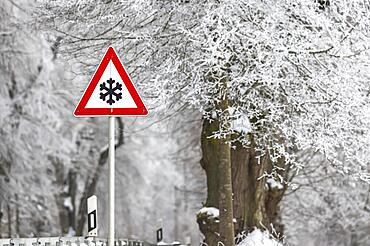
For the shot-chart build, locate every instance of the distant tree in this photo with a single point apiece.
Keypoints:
(33, 127)
(332, 207)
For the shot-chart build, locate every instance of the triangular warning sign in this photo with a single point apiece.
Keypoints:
(110, 91)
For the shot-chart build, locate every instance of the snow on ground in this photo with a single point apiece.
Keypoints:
(162, 243)
(71, 232)
(259, 238)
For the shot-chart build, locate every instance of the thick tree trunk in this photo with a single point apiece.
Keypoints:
(226, 227)
(249, 190)
(216, 151)
(254, 203)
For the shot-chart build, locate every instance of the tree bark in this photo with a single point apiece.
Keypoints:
(209, 162)
(72, 190)
(226, 227)
(225, 191)
(248, 188)
(17, 219)
(254, 203)
(216, 162)
(9, 221)
(1, 219)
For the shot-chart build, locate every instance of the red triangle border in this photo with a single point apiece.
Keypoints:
(82, 111)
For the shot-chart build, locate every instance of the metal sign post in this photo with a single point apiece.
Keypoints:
(111, 180)
(110, 93)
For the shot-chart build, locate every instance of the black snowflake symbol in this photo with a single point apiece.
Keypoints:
(112, 93)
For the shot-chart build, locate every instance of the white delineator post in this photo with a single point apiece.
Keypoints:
(92, 219)
(111, 181)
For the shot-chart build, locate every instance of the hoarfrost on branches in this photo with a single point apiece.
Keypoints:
(298, 71)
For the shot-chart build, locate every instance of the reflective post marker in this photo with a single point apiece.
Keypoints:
(160, 231)
(92, 216)
(111, 181)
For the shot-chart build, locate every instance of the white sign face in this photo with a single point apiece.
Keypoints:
(92, 216)
(121, 97)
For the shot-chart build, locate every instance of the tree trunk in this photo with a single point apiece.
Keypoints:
(1, 218)
(65, 198)
(17, 219)
(209, 162)
(273, 197)
(216, 162)
(225, 182)
(9, 221)
(72, 190)
(225, 195)
(249, 211)
(254, 203)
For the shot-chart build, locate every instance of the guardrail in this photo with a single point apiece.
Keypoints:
(74, 241)
(67, 241)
